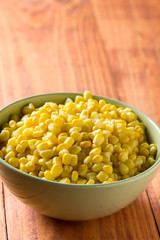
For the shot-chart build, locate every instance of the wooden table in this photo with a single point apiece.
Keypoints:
(109, 47)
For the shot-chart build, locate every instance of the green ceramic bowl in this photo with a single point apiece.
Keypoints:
(71, 201)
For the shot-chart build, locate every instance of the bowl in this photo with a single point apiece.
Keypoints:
(72, 201)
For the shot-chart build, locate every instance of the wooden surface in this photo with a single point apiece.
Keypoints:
(109, 47)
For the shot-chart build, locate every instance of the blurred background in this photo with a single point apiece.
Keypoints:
(111, 48)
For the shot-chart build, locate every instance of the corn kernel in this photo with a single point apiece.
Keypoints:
(85, 144)
(69, 142)
(123, 168)
(82, 170)
(46, 153)
(95, 151)
(56, 170)
(90, 181)
(4, 135)
(14, 161)
(65, 180)
(108, 169)
(30, 166)
(97, 167)
(98, 139)
(102, 176)
(97, 159)
(48, 175)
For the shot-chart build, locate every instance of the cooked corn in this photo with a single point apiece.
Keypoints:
(85, 141)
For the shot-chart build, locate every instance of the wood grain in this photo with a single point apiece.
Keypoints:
(109, 47)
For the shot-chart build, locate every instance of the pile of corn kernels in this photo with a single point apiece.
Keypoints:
(84, 141)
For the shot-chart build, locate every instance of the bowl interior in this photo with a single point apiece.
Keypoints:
(152, 129)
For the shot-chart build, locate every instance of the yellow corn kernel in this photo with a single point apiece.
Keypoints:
(144, 151)
(65, 180)
(14, 161)
(48, 175)
(50, 137)
(36, 153)
(123, 138)
(82, 170)
(152, 149)
(41, 174)
(94, 115)
(28, 132)
(75, 129)
(132, 157)
(49, 164)
(85, 144)
(73, 160)
(59, 122)
(109, 181)
(23, 168)
(13, 124)
(9, 155)
(131, 117)
(38, 134)
(75, 149)
(139, 161)
(56, 170)
(151, 160)
(76, 136)
(10, 148)
(87, 95)
(84, 135)
(62, 152)
(81, 181)
(57, 160)
(42, 161)
(130, 163)
(102, 176)
(97, 159)
(69, 142)
(54, 128)
(42, 146)
(62, 146)
(91, 175)
(98, 139)
(23, 160)
(20, 148)
(74, 176)
(98, 123)
(108, 169)
(123, 168)
(62, 139)
(30, 166)
(12, 142)
(90, 181)
(49, 153)
(66, 158)
(95, 151)
(97, 167)
(77, 122)
(88, 161)
(123, 156)
(4, 135)
(33, 174)
(113, 139)
(32, 159)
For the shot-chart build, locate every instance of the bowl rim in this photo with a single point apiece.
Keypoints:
(123, 181)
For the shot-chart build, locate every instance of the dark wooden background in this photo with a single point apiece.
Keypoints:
(109, 47)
